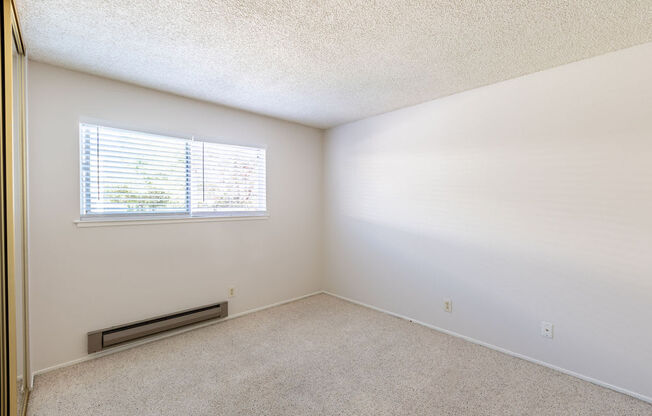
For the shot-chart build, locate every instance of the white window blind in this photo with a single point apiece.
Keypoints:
(131, 174)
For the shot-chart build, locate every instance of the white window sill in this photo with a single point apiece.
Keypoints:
(113, 222)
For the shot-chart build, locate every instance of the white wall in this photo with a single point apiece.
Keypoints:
(88, 278)
(523, 201)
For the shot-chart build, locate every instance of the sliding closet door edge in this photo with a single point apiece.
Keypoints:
(10, 35)
(27, 365)
(11, 399)
(5, 381)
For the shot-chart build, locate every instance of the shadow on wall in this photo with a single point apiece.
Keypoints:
(500, 295)
(586, 206)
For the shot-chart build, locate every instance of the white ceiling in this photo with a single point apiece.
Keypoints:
(325, 62)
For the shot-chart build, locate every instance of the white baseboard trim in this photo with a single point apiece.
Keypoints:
(503, 350)
(166, 335)
(436, 328)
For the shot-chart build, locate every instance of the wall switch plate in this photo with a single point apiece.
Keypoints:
(448, 305)
(231, 292)
(546, 329)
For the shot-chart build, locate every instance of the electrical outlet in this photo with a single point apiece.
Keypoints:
(448, 305)
(546, 329)
(231, 292)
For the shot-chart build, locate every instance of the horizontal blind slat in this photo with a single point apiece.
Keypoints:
(125, 172)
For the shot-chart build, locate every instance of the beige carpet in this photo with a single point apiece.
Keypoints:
(318, 356)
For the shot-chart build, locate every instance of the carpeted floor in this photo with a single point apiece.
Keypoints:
(318, 356)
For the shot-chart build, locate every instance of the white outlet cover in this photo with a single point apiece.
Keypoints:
(546, 329)
(448, 305)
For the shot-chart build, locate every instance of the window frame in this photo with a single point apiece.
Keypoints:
(90, 220)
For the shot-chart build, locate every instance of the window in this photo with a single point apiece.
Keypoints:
(131, 174)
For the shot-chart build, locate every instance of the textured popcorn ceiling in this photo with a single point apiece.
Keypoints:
(326, 62)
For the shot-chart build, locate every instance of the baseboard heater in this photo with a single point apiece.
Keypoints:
(116, 335)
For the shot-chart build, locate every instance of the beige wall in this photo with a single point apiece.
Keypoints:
(523, 201)
(88, 278)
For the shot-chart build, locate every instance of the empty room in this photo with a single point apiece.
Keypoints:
(337, 207)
